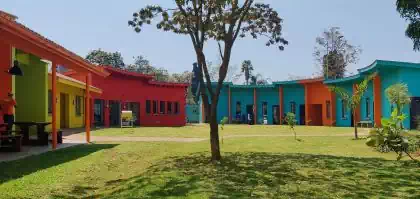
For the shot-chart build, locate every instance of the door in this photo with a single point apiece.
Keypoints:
(135, 108)
(98, 112)
(302, 114)
(114, 113)
(415, 112)
(63, 111)
(250, 113)
(276, 114)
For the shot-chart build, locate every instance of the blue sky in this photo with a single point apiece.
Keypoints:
(83, 25)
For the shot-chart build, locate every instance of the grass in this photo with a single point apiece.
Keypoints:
(202, 131)
(258, 167)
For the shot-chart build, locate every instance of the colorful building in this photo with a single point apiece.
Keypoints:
(314, 104)
(152, 103)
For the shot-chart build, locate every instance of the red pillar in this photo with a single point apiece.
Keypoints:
(377, 98)
(54, 104)
(106, 113)
(307, 109)
(229, 106)
(255, 106)
(87, 107)
(281, 102)
(332, 108)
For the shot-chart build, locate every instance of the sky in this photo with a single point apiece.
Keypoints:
(85, 25)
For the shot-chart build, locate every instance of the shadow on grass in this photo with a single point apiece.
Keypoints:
(268, 175)
(19, 168)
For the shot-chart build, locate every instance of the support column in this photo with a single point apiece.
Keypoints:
(54, 104)
(307, 109)
(87, 107)
(357, 115)
(255, 106)
(281, 102)
(229, 106)
(106, 113)
(203, 114)
(377, 99)
(333, 109)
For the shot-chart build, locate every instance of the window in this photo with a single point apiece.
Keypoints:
(49, 102)
(293, 107)
(162, 107)
(78, 105)
(368, 108)
(264, 108)
(328, 106)
(169, 107)
(148, 107)
(155, 107)
(238, 107)
(343, 109)
(176, 107)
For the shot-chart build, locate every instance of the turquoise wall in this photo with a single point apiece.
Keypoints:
(388, 77)
(193, 113)
(293, 93)
(269, 95)
(31, 90)
(363, 112)
(243, 95)
(410, 76)
(340, 121)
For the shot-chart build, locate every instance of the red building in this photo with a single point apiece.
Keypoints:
(153, 103)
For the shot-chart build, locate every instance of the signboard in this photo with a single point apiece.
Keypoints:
(127, 119)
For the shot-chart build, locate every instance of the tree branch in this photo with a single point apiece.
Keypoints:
(220, 50)
(245, 9)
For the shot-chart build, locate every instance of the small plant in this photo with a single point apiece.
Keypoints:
(224, 121)
(291, 121)
(391, 136)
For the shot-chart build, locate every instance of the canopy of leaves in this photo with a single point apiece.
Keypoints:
(410, 11)
(398, 95)
(334, 53)
(101, 57)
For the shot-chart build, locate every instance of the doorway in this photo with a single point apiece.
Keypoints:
(415, 112)
(316, 114)
(276, 114)
(250, 114)
(302, 114)
(64, 110)
(114, 113)
(98, 112)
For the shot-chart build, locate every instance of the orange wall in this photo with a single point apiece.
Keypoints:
(5, 79)
(318, 93)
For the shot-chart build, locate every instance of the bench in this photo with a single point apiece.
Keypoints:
(59, 136)
(11, 141)
(367, 123)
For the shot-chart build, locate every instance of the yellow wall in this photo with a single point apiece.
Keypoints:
(73, 120)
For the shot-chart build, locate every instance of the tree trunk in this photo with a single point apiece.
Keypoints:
(355, 125)
(214, 134)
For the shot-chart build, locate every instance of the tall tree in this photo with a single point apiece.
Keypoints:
(101, 57)
(247, 69)
(223, 21)
(410, 11)
(141, 65)
(398, 95)
(334, 53)
(352, 100)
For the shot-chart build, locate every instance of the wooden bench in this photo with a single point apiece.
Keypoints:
(11, 141)
(367, 123)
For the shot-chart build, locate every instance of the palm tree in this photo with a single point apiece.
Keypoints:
(247, 69)
(353, 99)
(398, 95)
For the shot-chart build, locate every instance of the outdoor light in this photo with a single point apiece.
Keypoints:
(15, 70)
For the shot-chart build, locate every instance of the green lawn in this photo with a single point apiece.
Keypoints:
(202, 131)
(258, 167)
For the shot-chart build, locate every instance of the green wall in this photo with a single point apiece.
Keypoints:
(31, 90)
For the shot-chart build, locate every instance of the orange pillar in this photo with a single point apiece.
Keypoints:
(229, 106)
(281, 102)
(54, 104)
(357, 116)
(377, 98)
(255, 106)
(332, 108)
(87, 107)
(203, 114)
(307, 118)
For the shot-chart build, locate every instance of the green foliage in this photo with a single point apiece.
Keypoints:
(410, 11)
(291, 121)
(247, 69)
(398, 95)
(391, 136)
(224, 121)
(101, 57)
